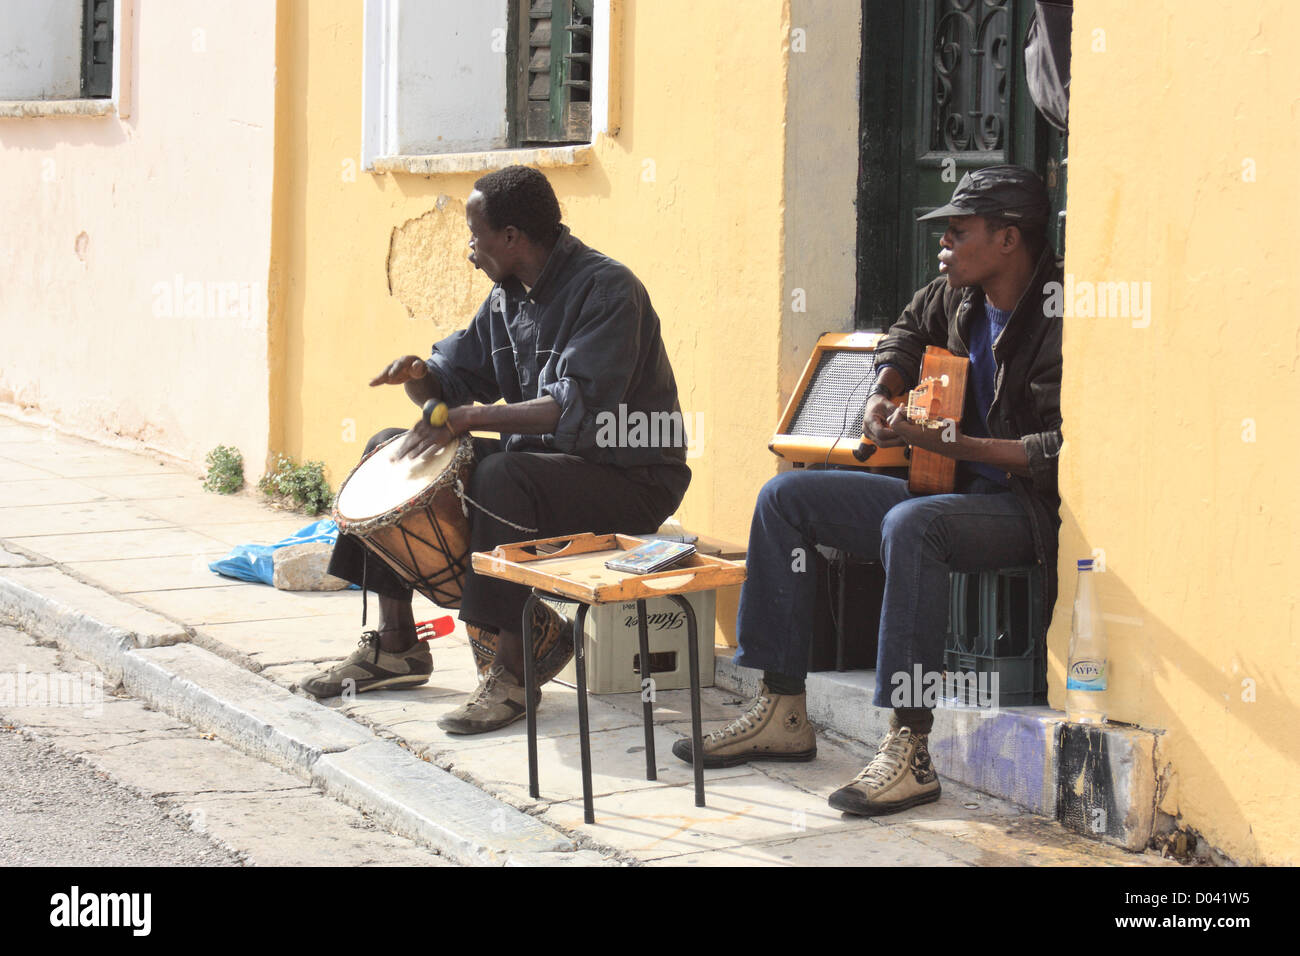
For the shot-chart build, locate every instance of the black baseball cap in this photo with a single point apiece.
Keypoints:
(1006, 192)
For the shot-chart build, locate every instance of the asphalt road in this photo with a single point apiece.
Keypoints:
(102, 780)
(58, 811)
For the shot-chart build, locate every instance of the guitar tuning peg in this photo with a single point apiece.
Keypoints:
(943, 380)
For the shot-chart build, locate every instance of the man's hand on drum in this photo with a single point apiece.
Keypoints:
(412, 372)
(421, 438)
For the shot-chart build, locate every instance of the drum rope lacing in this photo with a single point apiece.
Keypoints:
(464, 497)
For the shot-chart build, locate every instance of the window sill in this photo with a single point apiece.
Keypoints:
(485, 161)
(35, 108)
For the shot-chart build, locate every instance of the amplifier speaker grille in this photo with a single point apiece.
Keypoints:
(842, 378)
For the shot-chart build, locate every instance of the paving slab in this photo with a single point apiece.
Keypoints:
(19, 649)
(1009, 840)
(291, 676)
(152, 764)
(557, 716)
(674, 706)
(746, 808)
(137, 575)
(423, 802)
(47, 491)
(199, 507)
(290, 639)
(85, 461)
(12, 469)
(617, 760)
(134, 487)
(237, 601)
(264, 531)
(160, 543)
(16, 434)
(76, 518)
(14, 559)
(867, 845)
(277, 828)
(391, 706)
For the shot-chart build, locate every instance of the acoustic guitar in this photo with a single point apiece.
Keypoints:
(939, 398)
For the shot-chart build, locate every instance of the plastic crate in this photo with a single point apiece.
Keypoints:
(614, 651)
(994, 624)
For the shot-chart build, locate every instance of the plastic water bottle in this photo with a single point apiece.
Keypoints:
(1086, 676)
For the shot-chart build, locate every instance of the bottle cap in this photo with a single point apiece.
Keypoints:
(1085, 564)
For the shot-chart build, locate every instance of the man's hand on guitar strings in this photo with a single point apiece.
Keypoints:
(942, 441)
(876, 422)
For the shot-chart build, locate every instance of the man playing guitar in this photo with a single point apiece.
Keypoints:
(991, 304)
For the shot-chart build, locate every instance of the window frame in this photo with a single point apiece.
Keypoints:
(117, 103)
(381, 69)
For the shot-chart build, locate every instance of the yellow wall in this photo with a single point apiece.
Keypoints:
(704, 236)
(1199, 527)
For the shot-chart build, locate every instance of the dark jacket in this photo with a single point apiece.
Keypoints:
(587, 335)
(1027, 391)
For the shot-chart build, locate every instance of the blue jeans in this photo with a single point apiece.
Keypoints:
(919, 540)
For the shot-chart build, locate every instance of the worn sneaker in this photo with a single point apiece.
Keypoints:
(497, 702)
(370, 667)
(775, 728)
(899, 776)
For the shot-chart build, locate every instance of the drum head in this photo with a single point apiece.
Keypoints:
(381, 484)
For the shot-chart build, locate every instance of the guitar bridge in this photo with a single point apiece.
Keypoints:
(924, 401)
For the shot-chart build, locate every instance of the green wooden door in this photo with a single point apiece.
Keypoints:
(943, 92)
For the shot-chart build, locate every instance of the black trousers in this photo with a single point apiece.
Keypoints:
(554, 493)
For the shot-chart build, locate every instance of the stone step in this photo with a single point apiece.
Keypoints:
(1096, 781)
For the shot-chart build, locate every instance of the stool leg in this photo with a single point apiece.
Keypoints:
(530, 689)
(584, 731)
(647, 692)
(697, 735)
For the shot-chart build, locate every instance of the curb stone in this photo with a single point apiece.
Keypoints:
(152, 658)
(96, 626)
(428, 804)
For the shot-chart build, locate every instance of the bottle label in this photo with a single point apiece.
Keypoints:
(1086, 674)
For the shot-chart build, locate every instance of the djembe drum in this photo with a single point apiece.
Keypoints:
(410, 514)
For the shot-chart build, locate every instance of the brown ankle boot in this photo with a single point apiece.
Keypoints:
(775, 728)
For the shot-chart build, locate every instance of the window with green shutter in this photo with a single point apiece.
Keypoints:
(550, 67)
(97, 49)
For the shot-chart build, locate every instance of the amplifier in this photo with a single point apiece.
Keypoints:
(846, 617)
(822, 422)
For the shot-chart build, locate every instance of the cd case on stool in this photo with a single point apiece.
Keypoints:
(650, 557)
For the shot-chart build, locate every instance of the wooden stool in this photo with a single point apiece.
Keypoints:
(573, 568)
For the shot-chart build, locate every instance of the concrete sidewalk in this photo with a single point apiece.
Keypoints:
(106, 552)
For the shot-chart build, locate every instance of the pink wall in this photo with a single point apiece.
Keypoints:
(104, 218)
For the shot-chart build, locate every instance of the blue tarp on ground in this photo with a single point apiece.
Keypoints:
(255, 562)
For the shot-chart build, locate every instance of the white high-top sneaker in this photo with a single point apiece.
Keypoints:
(898, 777)
(774, 728)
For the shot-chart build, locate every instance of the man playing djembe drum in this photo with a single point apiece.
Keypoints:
(565, 334)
